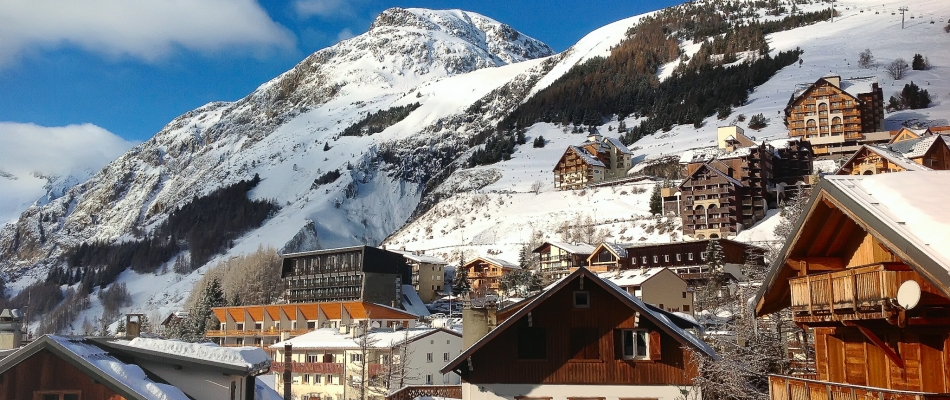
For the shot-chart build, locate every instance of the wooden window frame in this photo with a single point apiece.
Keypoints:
(38, 395)
(584, 293)
(646, 356)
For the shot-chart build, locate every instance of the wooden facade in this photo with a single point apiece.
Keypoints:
(840, 274)
(484, 274)
(557, 340)
(596, 160)
(47, 373)
(556, 259)
(908, 154)
(834, 113)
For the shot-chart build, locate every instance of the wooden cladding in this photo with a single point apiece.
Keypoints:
(791, 388)
(853, 293)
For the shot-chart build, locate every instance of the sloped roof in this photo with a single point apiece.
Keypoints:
(331, 338)
(914, 148)
(714, 170)
(332, 310)
(619, 145)
(661, 318)
(858, 86)
(587, 157)
(579, 248)
(913, 225)
(412, 302)
(892, 157)
(127, 380)
(422, 258)
(635, 276)
(496, 261)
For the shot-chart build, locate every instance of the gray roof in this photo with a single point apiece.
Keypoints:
(914, 148)
(587, 157)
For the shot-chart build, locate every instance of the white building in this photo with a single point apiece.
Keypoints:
(326, 363)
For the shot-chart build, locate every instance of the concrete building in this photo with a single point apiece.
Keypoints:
(360, 273)
(428, 274)
(11, 329)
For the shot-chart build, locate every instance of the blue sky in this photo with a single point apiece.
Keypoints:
(131, 67)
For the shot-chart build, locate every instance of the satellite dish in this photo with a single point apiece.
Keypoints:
(908, 295)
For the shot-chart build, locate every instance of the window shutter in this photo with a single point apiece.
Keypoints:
(618, 344)
(655, 348)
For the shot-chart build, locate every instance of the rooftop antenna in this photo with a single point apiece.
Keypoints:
(902, 10)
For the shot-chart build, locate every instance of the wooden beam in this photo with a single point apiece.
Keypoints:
(888, 351)
(816, 263)
(830, 229)
(843, 236)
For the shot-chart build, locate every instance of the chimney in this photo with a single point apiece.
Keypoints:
(133, 328)
(288, 370)
(477, 321)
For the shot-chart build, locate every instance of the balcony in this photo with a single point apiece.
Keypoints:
(855, 293)
(310, 367)
(244, 333)
(793, 388)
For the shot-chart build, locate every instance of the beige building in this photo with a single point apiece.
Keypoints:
(428, 274)
(657, 286)
(330, 363)
(596, 160)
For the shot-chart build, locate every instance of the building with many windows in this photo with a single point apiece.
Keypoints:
(596, 160)
(836, 115)
(428, 274)
(360, 273)
(330, 365)
(557, 259)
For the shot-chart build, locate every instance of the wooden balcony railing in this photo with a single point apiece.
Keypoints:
(865, 289)
(792, 388)
(434, 391)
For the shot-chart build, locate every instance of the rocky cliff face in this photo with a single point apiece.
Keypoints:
(288, 132)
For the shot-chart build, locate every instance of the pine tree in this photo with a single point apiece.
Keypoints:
(460, 285)
(524, 257)
(656, 201)
(200, 315)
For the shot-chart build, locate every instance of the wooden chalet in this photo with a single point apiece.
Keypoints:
(837, 115)
(556, 259)
(596, 160)
(868, 270)
(909, 154)
(582, 338)
(485, 273)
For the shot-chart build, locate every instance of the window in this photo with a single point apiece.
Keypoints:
(684, 295)
(57, 395)
(258, 326)
(666, 258)
(633, 260)
(428, 357)
(532, 343)
(656, 259)
(306, 378)
(240, 326)
(357, 357)
(689, 256)
(679, 257)
(581, 299)
(660, 305)
(685, 308)
(445, 356)
(313, 358)
(585, 344)
(224, 326)
(644, 259)
(635, 344)
(428, 379)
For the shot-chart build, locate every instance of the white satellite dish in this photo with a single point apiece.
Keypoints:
(908, 295)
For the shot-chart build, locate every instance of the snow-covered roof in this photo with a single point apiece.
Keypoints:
(858, 86)
(252, 358)
(892, 157)
(421, 258)
(501, 263)
(899, 201)
(617, 249)
(412, 303)
(587, 157)
(715, 171)
(914, 148)
(630, 277)
(129, 375)
(331, 338)
(576, 248)
(619, 145)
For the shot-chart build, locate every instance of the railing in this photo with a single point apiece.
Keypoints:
(258, 332)
(861, 289)
(791, 388)
(433, 391)
(309, 367)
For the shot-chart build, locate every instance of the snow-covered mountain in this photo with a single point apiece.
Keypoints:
(289, 132)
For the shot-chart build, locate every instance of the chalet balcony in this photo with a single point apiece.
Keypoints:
(794, 388)
(854, 293)
(309, 367)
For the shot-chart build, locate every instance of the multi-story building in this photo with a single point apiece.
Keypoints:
(657, 286)
(330, 364)
(360, 273)
(596, 160)
(556, 259)
(264, 325)
(583, 338)
(485, 273)
(428, 274)
(837, 115)
(868, 271)
(731, 186)
(687, 259)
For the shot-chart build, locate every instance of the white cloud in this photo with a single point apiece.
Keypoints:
(346, 33)
(144, 29)
(29, 154)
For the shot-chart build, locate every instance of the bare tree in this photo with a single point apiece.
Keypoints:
(396, 365)
(897, 69)
(363, 379)
(536, 187)
(866, 59)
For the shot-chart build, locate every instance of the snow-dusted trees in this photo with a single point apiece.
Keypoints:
(520, 283)
(460, 284)
(247, 279)
(866, 59)
(193, 328)
(709, 297)
(897, 68)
